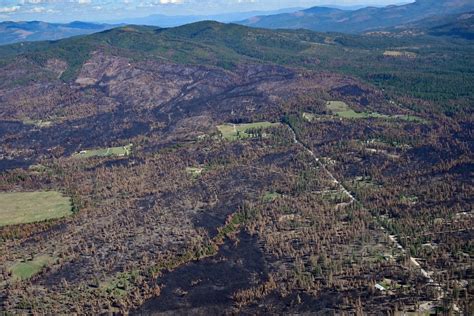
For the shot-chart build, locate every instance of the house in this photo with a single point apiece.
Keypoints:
(380, 287)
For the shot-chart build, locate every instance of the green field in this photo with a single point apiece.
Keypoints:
(343, 110)
(25, 270)
(105, 152)
(241, 131)
(29, 207)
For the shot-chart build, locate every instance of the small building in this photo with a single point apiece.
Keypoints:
(380, 287)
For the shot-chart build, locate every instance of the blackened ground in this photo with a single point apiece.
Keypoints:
(206, 286)
(6, 164)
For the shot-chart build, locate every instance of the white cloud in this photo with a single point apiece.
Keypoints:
(171, 1)
(41, 10)
(9, 9)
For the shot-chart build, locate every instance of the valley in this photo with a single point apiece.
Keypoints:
(218, 169)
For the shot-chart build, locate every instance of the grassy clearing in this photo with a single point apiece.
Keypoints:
(343, 110)
(242, 131)
(29, 207)
(396, 53)
(335, 196)
(194, 171)
(26, 270)
(271, 196)
(120, 151)
(38, 123)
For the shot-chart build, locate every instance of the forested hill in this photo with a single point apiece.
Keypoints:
(455, 25)
(362, 20)
(409, 71)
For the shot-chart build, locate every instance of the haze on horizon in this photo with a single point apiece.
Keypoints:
(115, 10)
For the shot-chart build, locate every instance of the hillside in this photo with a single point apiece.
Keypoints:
(220, 169)
(366, 19)
(457, 25)
(228, 45)
(14, 32)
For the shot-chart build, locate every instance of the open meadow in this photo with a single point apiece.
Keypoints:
(242, 131)
(29, 207)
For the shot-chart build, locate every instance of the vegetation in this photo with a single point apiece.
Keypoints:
(366, 19)
(446, 83)
(26, 270)
(271, 196)
(120, 151)
(343, 110)
(38, 123)
(242, 131)
(194, 171)
(307, 215)
(395, 53)
(28, 207)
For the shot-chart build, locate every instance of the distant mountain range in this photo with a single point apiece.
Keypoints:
(435, 17)
(172, 21)
(14, 32)
(328, 19)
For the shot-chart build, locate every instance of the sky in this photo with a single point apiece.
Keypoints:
(110, 10)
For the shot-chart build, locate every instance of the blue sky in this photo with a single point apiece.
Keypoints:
(103, 10)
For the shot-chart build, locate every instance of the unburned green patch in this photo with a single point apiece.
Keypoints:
(38, 123)
(362, 186)
(119, 151)
(120, 284)
(26, 270)
(242, 131)
(194, 171)
(29, 207)
(396, 53)
(362, 183)
(343, 110)
(335, 196)
(271, 196)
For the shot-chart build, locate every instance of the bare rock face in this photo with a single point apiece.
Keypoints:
(98, 66)
(56, 66)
